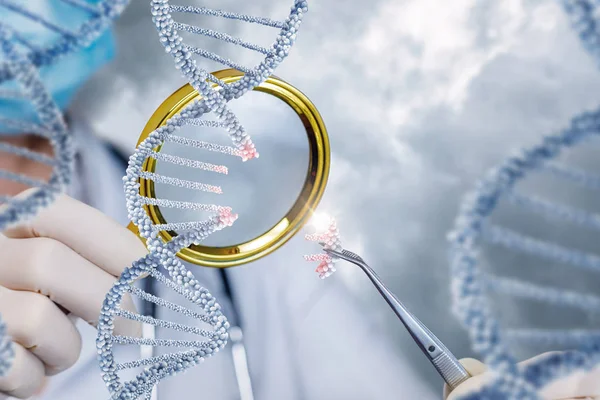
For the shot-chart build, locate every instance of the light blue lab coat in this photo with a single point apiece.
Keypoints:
(305, 338)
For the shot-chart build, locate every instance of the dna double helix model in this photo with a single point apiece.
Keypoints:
(210, 111)
(473, 285)
(20, 85)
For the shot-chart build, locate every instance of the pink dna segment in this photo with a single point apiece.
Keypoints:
(226, 216)
(330, 239)
(248, 152)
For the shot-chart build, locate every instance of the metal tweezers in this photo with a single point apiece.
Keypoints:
(442, 359)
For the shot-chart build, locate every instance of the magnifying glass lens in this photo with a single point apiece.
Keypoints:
(260, 191)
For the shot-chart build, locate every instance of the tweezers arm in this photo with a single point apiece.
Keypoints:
(441, 358)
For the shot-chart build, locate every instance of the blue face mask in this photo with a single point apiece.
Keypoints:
(63, 78)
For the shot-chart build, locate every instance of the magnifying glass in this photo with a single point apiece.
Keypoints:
(274, 196)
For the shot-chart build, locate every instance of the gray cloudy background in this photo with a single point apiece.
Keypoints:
(420, 98)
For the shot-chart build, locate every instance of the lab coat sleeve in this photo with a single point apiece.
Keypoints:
(310, 339)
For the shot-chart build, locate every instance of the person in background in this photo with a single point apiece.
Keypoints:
(56, 269)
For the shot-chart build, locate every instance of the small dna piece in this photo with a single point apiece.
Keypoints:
(148, 149)
(27, 97)
(330, 239)
(214, 95)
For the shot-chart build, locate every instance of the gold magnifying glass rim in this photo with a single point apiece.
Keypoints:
(298, 214)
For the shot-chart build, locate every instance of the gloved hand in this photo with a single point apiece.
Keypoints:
(579, 385)
(63, 261)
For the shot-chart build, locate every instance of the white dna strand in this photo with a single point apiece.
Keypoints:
(165, 268)
(162, 260)
(89, 19)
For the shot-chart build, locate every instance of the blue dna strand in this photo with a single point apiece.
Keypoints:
(34, 35)
(210, 111)
(473, 287)
(50, 126)
(87, 20)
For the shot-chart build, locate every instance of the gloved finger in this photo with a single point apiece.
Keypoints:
(25, 377)
(476, 369)
(48, 267)
(579, 384)
(582, 398)
(37, 324)
(87, 231)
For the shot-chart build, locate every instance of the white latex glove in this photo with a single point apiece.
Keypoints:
(579, 385)
(63, 261)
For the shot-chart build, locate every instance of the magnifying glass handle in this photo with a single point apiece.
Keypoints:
(133, 229)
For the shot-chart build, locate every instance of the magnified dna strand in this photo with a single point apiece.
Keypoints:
(474, 285)
(328, 236)
(49, 126)
(87, 20)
